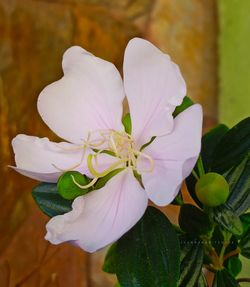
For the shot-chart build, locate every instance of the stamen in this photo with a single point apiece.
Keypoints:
(74, 166)
(93, 181)
(97, 174)
(149, 158)
(118, 144)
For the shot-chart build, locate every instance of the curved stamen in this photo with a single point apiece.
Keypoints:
(97, 174)
(74, 166)
(93, 181)
(149, 158)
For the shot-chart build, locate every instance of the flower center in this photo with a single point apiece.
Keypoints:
(118, 144)
(121, 145)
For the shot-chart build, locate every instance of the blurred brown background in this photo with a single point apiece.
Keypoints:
(33, 36)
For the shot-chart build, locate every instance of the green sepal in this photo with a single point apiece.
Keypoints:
(193, 220)
(224, 279)
(126, 120)
(228, 220)
(109, 265)
(191, 261)
(103, 180)
(234, 265)
(49, 200)
(149, 254)
(245, 245)
(68, 189)
(178, 200)
(186, 103)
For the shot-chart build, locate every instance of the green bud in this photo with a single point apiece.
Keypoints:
(66, 186)
(212, 189)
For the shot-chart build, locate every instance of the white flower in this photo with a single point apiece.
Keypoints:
(85, 108)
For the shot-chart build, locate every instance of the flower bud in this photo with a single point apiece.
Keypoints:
(212, 189)
(66, 186)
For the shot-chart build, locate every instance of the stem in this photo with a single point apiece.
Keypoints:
(200, 167)
(243, 280)
(231, 253)
(195, 174)
(227, 236)
(215, 259)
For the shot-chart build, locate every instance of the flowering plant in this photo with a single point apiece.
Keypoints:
(96, 186)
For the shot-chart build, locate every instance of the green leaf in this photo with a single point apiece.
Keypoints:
(149, 254)
(239, 184)
(228, 220)
(245, 245)
(109, 264)
(245, 219)
(49, 200)
(202, 282)
(193, 220)
(234, 265)
(186, 103)
(178, 200)
(232, 148)
(191, 262)
(209, 142)
(127, 123)
(224, 279)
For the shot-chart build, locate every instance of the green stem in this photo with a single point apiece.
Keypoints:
(195, 174)
(226, 242)
(200, 167)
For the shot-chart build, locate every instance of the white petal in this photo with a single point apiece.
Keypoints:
(89, 97)
(102, 216)
(154, 87)
(41, 159)
(174, 156)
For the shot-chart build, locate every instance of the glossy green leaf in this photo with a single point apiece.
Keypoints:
(228, 220)
(232, 148)
(193, 220)
(245, 245)
(127, 123)
(49, 200)
(186, 103)
(149, 254)
(224, 279)
(109, 264)
(234, 265)
(191, 262)
(245, 219)
(209, 142)
(239, 185)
